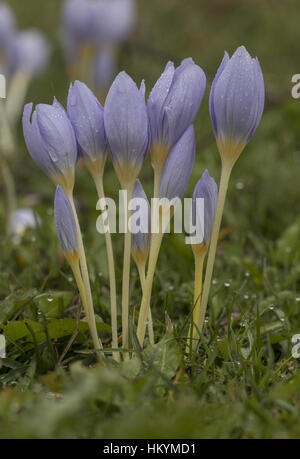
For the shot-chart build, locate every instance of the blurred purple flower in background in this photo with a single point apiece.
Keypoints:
(104, 69)
(22, 219)
(116, 18)
(7, 25)
(23, 55)
(28, 52)
(80, 22)
(90, 31)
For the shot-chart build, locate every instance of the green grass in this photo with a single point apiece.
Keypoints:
(242, 382)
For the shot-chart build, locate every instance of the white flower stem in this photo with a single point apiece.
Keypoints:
(141, 266)
(156, 241)
(225, 176)
(157, 180)
(112, 276)
(126, 278)
(199, 257)
(74, 263)
(86, 280)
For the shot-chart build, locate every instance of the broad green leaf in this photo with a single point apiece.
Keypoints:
(165, 356)
(53, 304)
(57, 328)
(14, 302)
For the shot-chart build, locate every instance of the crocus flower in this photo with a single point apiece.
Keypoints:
(141, 240)
(87, 117)
(127, 128)
(104, 69)
(28, 52)
(179, 166)
(207, 189)
(236, 106)
(7, 25)
(173, 104)
(65, 223)
(51, 142)
(236, 101)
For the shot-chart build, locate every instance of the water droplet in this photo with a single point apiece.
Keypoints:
(246, 297)
(50, 298)
(271, 307)
(239, 185)
(247, 274)
(226, 284)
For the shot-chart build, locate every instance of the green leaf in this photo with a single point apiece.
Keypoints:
(14, 302)
(288, 246)
(57, 328)
(165, 356)
(53, 304)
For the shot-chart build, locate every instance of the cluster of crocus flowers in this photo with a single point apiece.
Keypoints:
(125, 129)
(91, 31)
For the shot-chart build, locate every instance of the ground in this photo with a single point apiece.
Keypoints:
(243, 381)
